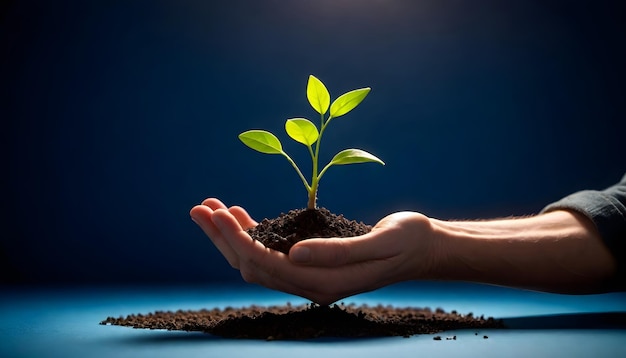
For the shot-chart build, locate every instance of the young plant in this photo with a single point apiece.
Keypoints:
(304, 131)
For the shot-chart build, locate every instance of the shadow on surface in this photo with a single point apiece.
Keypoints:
(171, 337)
(602, 320)
(168, 337)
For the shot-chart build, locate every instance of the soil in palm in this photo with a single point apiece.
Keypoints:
(287, 229)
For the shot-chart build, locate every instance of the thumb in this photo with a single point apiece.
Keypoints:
(334, 251)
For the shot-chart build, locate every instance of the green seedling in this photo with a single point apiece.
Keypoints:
(304, 131)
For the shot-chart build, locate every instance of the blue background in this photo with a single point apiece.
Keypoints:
(119, 116)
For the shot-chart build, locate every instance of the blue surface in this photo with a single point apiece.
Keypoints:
(64, 323)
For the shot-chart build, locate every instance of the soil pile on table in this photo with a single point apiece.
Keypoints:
(287, 229)
(308, 321)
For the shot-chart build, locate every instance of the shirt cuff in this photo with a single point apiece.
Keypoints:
(607, 210)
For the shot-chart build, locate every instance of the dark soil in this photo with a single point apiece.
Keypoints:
(284, 231)
(308, 321)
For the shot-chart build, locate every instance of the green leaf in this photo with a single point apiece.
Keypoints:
(262, 141)
(317, 94)
(302, 130)
(347, 101)
(353, 156)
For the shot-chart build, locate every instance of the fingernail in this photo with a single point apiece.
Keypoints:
(300, 254)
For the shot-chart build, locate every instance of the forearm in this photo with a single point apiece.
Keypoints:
(559, 251)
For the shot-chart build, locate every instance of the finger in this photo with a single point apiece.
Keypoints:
(214, 203)
(203, 216)
(333, 252)
(242, 217)
(237, 238)
(240, 213)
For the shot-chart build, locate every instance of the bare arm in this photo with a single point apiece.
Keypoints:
(560, 251)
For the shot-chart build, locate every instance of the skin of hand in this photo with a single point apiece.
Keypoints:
(558, 251)
(333, 268)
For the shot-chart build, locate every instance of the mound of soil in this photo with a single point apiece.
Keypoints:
(287, 229)
(308, 321)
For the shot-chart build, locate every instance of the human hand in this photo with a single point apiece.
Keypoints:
(400, 247)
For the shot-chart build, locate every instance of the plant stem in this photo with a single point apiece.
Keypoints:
(312, 204)
(312, 198)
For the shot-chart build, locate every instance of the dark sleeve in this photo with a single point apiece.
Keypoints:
(607, 210)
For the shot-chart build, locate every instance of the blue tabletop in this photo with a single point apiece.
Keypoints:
(64, 322)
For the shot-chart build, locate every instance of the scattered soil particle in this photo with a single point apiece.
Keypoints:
(287, 229)
(289, 322)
